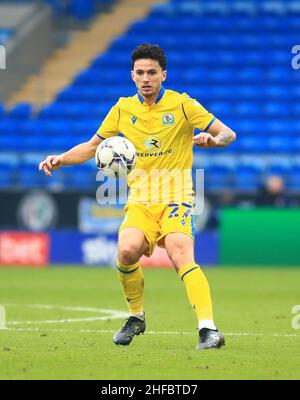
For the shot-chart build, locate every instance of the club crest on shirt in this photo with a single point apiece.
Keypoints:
(168, 119)
(133, 120)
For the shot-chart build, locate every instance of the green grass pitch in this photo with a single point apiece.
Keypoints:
(253, 308)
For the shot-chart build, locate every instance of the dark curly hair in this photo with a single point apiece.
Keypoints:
(150, 51)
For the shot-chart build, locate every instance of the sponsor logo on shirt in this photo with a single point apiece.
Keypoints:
(153, 143)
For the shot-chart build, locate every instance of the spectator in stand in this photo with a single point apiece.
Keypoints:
(273, 193)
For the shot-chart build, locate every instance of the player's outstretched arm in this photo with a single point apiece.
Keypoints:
(77, 155)
(218, 135)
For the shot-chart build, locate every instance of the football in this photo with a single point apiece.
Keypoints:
(115, 157)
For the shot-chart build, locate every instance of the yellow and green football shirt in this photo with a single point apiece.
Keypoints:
(162, 135)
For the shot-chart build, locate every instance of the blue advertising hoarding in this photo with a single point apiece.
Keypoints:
(73, 247)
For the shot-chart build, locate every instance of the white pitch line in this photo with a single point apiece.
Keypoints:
(148, 332)
(66, 320)
(65, 308)
(110, 314)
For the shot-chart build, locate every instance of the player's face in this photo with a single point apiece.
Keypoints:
(148, 77)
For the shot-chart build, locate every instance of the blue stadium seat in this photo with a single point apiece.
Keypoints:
(221, 109)
(9, 127)
(282, 169)
(32, 143)
(2, 111)
(276, 110)
(296, 144)
(222, 75)
(247, 178)
(218, 178)
(254, 144)
(280, 75)
(9, 164)
(279, 144)
(294, 181)
(68, 94)
(278, 92)
(21, 111)
(278, 127)
(57, 144)
(52, 111)
(250, 93)
(64, 111)
(248, 109)
(82, 177)
(30, 177)
(89, 77)
(32, 128)
(82, 9)
(58, 181)
(192, 75)
(10, 142)
(6, 179)
(251, 128)
(78, 9)
(295, 108)
(54, 127)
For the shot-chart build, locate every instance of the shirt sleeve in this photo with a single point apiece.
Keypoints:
(196, 115)
(109, 126)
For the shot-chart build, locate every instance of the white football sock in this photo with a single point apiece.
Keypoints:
(140, 315)
(207, 323)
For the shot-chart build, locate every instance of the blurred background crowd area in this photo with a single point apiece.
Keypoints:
(68, 62)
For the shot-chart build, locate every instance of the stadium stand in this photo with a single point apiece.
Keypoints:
(220, 54)
(60, 69)
(78, 9)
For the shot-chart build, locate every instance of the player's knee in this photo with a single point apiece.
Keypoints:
(129, 254)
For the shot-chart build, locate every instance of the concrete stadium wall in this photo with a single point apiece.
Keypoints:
(29, 48)
(12, 16)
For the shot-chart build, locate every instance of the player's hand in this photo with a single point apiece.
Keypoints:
(51, 163)
(205, 140)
